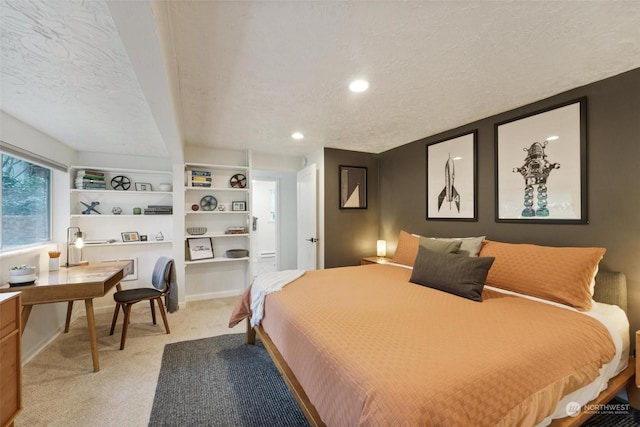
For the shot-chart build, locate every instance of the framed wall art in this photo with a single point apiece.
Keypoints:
(353, 187)
(541, 166)
(200, 248)
(452, 178)
(143, 186)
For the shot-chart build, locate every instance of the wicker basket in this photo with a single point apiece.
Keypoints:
(196, 231)
(237, 253)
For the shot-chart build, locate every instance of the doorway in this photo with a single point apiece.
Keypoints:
(264, 224)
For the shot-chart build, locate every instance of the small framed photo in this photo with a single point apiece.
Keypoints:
(238, 206)
(130, 236)
(353, 187)
(200, 248)
(143, 237)
(143, 186)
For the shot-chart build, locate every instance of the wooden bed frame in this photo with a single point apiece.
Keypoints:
(610, 289)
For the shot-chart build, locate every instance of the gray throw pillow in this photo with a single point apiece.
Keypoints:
(470, 245)
(441, 246)
(456, 274)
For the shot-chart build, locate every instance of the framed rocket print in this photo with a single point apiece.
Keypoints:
(541, 166)
(452, 178)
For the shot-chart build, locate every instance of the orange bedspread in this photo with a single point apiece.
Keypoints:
(370, 348)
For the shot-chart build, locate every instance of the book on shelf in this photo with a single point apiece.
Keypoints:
(159, 210)
(195, 172)
(90, 186)
(92, 172)
(200, 184)
(201, 179)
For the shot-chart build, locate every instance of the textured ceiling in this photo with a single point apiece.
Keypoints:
(246, 74)
(65, 72)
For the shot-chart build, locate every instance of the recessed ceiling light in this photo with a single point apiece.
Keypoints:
(553, 138)
(358, 86)
(297, 135)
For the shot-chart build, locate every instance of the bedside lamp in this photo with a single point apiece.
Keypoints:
(382, 248)
(77, 242)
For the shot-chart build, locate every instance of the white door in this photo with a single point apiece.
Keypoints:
(307, 219)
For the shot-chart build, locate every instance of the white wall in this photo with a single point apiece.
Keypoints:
(46, 321)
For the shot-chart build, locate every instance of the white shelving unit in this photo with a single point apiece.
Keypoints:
(103, 231)
(220, 275)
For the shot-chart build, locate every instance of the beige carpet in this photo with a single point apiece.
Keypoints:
(61, 389)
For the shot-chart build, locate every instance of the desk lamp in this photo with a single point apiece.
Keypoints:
(77, 243)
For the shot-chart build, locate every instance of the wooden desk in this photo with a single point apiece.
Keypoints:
(84, 282)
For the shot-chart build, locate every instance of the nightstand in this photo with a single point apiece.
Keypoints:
(374, 260)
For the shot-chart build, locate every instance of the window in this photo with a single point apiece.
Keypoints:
(26, 203)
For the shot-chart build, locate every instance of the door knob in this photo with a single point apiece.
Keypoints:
(312, 240)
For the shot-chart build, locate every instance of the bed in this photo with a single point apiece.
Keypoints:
(367, 345)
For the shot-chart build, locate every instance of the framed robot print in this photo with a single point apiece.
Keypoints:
(541, 166)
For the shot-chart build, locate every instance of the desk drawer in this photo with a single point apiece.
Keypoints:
(9, 316)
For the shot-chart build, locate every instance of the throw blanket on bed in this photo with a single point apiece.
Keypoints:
(266, 283)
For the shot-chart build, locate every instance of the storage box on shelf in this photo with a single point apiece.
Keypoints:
(106, 202)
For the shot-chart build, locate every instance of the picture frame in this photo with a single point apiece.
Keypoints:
(239, 206)
(130, 236)
(143, 238)
(353, 187)
(541, 166)
(143, 186)
(200, 248)
(452, 178)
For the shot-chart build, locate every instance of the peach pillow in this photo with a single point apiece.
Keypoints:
(560, 274)
(407, 249)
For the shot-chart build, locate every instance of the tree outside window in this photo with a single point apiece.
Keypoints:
(26, 201)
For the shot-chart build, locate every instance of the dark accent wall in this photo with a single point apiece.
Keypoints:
(613, 141)
(350, 234)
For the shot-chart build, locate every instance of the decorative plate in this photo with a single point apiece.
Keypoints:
(208, 203)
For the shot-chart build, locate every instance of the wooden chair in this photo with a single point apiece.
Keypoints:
(126, 298)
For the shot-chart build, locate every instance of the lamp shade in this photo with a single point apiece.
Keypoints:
(382, 248)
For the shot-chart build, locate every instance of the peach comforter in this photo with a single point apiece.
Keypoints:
(370, 348)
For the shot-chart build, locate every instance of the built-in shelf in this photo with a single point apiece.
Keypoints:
(238, 190)
(112, 215)
(216, 235)
(151, 242)
(214, 166)
(214, 212)
(123, 192)
(218, 259)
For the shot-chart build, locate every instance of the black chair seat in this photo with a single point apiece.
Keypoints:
(161, 280)
(129, 295)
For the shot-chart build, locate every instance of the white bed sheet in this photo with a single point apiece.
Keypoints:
(617, 323)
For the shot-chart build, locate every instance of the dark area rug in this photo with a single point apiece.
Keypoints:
(221, 381)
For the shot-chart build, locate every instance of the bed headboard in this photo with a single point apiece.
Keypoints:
(611, 288)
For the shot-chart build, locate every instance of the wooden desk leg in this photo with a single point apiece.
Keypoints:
(69, 311)
(26, 311)
(91, 322)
